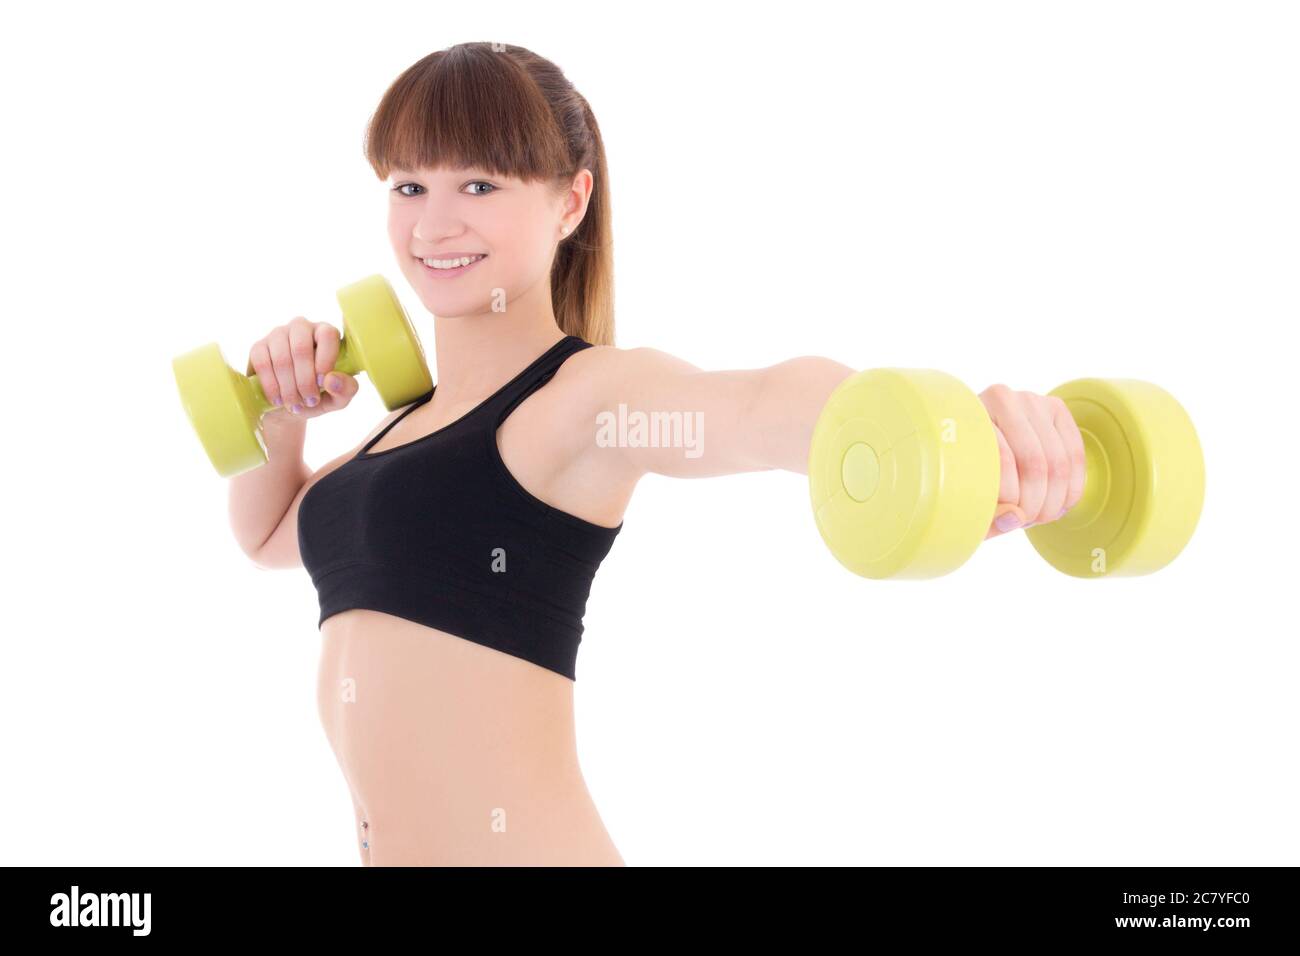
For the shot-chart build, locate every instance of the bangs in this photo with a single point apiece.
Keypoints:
(469, 106)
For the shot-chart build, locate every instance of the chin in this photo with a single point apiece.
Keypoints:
(454, 305)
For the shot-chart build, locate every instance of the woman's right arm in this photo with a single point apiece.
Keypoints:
(293, 364)
(261, 498)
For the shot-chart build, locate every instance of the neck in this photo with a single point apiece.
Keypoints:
(476, 354)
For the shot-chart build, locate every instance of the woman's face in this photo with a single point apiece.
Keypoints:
(448, 214)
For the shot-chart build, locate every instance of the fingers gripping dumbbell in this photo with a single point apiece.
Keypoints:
(226, 407)
(904, 473)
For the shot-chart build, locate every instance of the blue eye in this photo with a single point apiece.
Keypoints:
(478, 182)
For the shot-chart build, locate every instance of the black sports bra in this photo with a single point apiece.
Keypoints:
(439, 532)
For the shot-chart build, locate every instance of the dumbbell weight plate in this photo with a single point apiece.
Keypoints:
(223, 408)
(1145, 482)
(903, 472)
(381, 339)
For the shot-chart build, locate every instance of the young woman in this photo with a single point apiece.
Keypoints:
(453, 550)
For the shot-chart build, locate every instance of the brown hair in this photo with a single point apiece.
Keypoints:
(506, 109)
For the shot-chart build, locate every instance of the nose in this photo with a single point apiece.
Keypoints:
(433, 226)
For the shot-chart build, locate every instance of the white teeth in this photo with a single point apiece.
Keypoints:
(450, 263)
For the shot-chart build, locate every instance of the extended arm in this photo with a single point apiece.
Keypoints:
(670, 418)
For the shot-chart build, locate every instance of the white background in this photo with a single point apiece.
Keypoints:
(1012, 192)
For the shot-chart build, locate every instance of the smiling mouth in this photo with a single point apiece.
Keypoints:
(451, 266)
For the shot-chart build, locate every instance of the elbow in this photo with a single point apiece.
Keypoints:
(263, 559)
(266, 562)
(258, 560)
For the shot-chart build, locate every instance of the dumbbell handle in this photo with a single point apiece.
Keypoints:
(349, 363)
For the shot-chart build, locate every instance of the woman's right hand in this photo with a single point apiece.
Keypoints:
(293, 365)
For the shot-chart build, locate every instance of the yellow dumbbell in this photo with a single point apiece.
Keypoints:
(226, 407)
(904, 472)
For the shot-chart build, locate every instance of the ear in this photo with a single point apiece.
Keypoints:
(577, 199)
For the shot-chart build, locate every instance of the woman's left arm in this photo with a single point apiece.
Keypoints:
(670, 418)
(715, 423)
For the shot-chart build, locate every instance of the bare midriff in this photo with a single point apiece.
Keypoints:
(457, 754)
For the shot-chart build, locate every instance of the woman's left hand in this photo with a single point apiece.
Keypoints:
(1042, 458)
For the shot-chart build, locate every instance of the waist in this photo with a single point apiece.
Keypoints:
(455, 751)
(385, 682)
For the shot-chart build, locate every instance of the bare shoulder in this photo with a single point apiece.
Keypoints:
(641, 360)
(589, 383)
(567, 410)
(603, 374)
